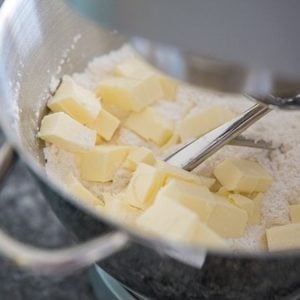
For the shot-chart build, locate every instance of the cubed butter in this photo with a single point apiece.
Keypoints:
(115, 110)
(150, 125)
(227, 220)
(66, 133)
(195, 197)
(215, 188)
(118, 208)
(169, 86)
(99, 140)
(205, 236)
(188, 107)
(100, 209)
(196, 125)
(134, 68)
(139, 155)
(284, 237)
(81, 104)
(223, 191)
(130, 94)
(240, 175)
(138, 69)
(172, 172)
(105, 124)
(295, 213)
(255, 218)
(170, 220)
(172, 141)
(75, 187)
(101, 163)
(243, 203)
(143, 186)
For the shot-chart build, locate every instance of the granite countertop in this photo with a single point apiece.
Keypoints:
(26, 215)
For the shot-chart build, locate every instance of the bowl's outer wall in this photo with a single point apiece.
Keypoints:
(32, 44)
(158, 276)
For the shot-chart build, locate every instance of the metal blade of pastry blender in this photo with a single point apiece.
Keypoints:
(242, 141)
(194, 153)
(249, 47)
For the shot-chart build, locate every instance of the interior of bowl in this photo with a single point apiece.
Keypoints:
(39, 42)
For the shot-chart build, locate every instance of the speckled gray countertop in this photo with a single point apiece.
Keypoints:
(25, 214)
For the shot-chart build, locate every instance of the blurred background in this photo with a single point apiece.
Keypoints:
(26, 215)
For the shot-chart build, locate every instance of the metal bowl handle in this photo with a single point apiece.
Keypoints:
(54, 261)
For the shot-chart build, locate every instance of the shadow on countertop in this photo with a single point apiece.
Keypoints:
(26, 215)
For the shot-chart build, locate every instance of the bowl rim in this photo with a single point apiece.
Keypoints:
(7, 13)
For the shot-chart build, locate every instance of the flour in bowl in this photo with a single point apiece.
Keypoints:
(281, 128)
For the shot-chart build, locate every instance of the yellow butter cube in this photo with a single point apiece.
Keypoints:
(138, 69)
(118, 208)
(105, 124)
(283, 237)
(99, 209)
(99, 140)
(170, 220)
(240, 175)
(169, 86)
(172, 141)
(75, 187)
(243, 202)
(227, 220)
(115, 110)
(188, 107)
(66, 133)
(198, 124)
(150, 125)
(215, 188)
(195, 197)
(295, 213)
(81, 104)
(130, 94)
(255, 218)
(101, 163)
(143, 186)
(223, 191)
(205, 236)
(134, 68)
(172, 172)
(139, 155)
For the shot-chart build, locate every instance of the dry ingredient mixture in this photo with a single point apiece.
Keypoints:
(282, 128)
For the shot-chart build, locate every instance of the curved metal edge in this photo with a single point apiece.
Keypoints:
(54, 261)
(65, 260)
(8, 158)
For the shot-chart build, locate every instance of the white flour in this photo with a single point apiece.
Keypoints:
(278, 126)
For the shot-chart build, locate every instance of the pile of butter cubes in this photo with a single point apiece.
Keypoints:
(160, 199)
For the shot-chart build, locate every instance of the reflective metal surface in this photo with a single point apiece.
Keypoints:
(191, 155)
(35, 44)
(237, 46)
(41, 260)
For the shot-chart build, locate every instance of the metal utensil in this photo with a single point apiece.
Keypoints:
(191, 155)
(279, 102)
(243, 141)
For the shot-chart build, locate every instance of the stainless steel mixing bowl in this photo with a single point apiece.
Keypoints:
(36, 38)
